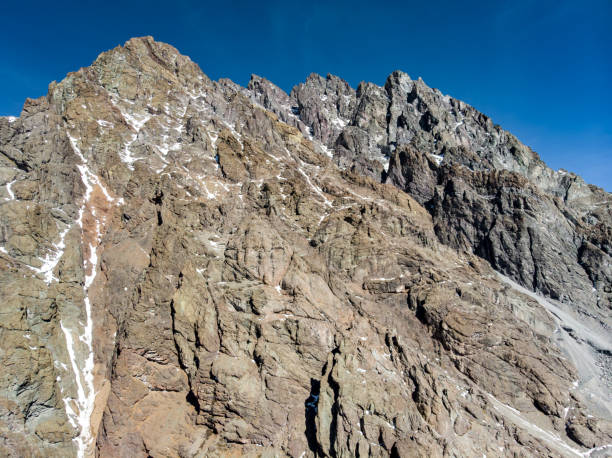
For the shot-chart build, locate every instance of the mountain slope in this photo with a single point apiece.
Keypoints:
(487, 192)
(187, 273)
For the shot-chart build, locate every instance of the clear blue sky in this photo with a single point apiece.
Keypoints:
(542, 69)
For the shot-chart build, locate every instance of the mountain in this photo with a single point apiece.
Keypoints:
(193, 268)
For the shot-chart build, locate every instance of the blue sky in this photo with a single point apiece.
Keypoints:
(542, 69)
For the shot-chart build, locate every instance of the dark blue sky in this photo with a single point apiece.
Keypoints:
(542, 69)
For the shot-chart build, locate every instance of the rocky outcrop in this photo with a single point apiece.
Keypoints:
(185, 272)
(534, 224)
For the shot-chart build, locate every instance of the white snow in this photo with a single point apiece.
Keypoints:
(384, 160)
(339, 123)
(359, 196)
(596, 450)
(11, 119)
(79, 410)
(209, 194)
(93, 262)
(75, 147)
(437, 159)
(316, 189)
(89, 179)
(9, 190)
(135, 120)
(326, 150)
(213, 138)
(126, 154)
(60, 364)
(106, 124)
(52, 259)
(85, 392)
(236, 135)
(273, 157)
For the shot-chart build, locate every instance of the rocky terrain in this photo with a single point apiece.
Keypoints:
(190, 268)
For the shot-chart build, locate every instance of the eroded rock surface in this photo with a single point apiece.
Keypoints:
(486, 191)
(185, 271)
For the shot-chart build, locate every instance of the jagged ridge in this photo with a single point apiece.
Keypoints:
(245, 294)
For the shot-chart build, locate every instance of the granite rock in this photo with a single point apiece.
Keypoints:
(185, 271)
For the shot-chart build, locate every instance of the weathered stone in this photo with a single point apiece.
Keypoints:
(185, 272)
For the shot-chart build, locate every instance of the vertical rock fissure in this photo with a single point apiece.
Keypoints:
(333, 384)
(311, 405)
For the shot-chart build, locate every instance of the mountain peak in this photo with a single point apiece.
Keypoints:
(193, 268)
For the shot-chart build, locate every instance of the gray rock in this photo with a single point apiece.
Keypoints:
(184, 272)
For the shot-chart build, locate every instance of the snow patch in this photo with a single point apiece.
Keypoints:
(326, 150)
(209, 194)
(81, 417)
(213, 138)
(79, 410)
(339, 123)
(136, 121)
(384, 160)
(437, 159)
(316, 189)
(103, 123)
(52, 259)
(236, 135)
(10, 191)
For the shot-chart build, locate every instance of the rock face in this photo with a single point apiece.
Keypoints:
(486, 192)
(192, 268)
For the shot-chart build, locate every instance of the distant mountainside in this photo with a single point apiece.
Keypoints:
(191, 268)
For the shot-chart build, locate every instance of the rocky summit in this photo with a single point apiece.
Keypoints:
(190, 268)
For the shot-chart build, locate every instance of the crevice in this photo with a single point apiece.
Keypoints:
(158, 200)
(334, 414)
(534, 280)
(193, 400)
(311, 405)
